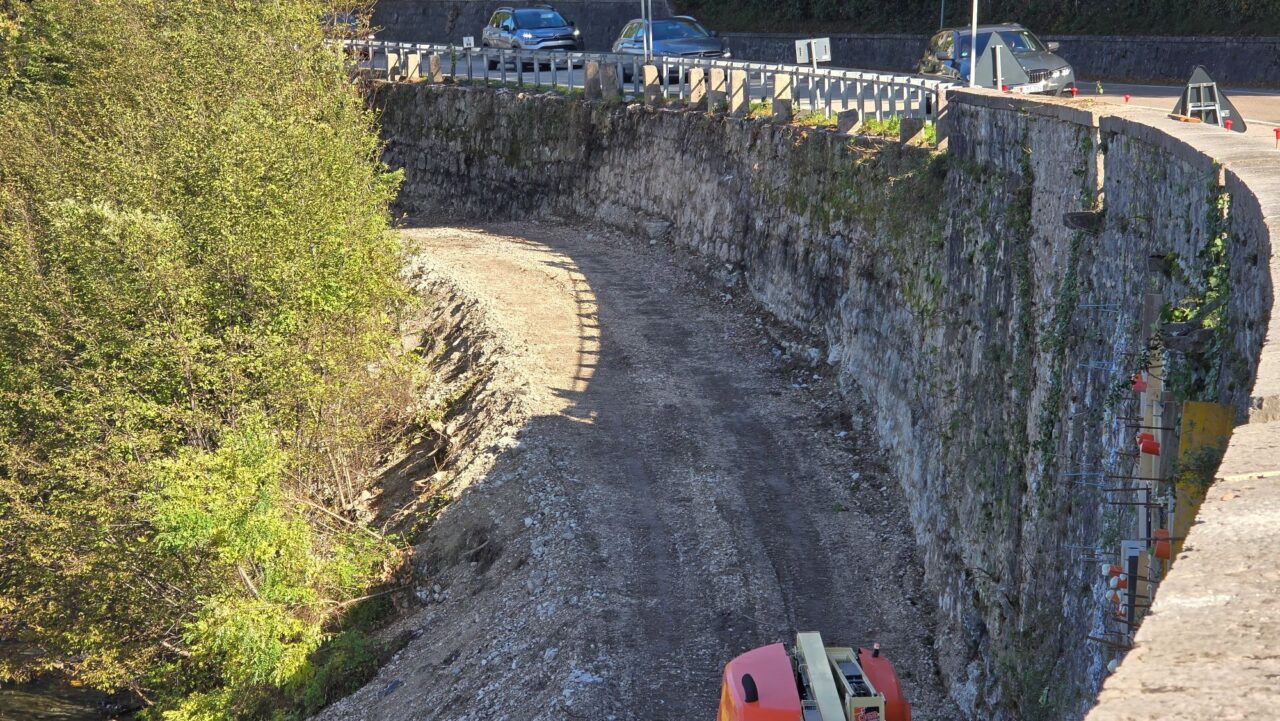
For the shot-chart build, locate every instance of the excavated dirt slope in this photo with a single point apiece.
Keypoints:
(662, 485)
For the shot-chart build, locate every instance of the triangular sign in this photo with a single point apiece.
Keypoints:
(1202, 99)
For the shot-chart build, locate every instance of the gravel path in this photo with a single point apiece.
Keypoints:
(663, 487)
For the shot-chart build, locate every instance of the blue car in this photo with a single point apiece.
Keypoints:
(539, 27)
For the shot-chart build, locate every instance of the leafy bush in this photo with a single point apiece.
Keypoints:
(197, 301)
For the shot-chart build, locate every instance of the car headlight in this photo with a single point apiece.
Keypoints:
(577, 33)
(726, 53)
(525, 35)
(1061, 72)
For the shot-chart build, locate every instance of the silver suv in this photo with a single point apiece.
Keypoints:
(948, 55)
(538, 27)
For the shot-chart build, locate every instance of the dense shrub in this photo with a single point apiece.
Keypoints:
(197, 294)
(1102, 17)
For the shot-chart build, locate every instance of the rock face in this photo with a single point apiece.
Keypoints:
(992, 341)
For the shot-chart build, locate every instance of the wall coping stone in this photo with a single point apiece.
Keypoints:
(1043, 107)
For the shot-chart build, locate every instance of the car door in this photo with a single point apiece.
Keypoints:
(629, 40)
(508, 31)
(938, 56)
(488, 36)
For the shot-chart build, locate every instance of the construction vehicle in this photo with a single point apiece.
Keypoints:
(817, 683)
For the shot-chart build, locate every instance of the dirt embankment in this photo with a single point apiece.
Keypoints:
(651, 484)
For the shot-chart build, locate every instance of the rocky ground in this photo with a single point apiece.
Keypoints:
(646, 480)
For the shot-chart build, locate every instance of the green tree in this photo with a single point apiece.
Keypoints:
(197, 298)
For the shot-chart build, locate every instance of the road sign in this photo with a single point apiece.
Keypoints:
(468, 42)
(1202, 99)
(813, 51)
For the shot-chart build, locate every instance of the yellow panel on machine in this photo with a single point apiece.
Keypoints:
(817, 683)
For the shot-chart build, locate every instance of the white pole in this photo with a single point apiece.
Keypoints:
(973, 48)
(942, 15)
(648, 31)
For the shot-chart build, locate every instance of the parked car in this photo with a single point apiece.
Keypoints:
(948, 55)
(539, 27)
(681, 35)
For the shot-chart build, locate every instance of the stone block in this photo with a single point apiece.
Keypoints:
(387, 64)
(717, 89)
(591, 80)
(911, 130)
(610, 86)
(782, 89)
(434, 74)
(413, 67)
(738, 92)
(652, 88)
(697, 88)
(849, 122)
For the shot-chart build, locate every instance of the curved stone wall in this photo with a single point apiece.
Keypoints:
(947, 290)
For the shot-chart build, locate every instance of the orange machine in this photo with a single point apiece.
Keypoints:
(817, 683)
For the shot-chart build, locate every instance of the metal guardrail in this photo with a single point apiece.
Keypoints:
(828, 90)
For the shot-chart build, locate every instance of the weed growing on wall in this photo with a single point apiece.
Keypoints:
(1196, 375)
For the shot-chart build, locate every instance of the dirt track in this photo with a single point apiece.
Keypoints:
(671, 489)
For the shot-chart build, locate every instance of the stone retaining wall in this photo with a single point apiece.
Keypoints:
(948, 292)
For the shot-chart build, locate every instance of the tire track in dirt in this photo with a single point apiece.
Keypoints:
(680, 493)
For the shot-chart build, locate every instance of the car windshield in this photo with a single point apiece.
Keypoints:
(538, 19)
(677, 30)
(1019, 41)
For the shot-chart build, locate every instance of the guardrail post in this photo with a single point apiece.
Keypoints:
(782, 87)
(413, 66)
(434, 75)
(716, 95)
(591, 80)
(610, 87)
(652, 86)
(697, 88)
(737, 92)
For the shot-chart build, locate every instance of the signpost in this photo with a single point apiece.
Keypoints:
(811, 52)
(468, 42)
(646, 16)
(973, 47)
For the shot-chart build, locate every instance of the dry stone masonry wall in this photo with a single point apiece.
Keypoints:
(992, 340)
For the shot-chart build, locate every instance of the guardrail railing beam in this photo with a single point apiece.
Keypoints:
(702, 82)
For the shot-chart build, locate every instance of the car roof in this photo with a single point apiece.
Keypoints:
(512, 8)
(984, 28)
(680, 18)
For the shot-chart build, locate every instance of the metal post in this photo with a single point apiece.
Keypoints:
(942, 16)
(973, 47)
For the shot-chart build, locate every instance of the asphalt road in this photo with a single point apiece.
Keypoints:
(1260, 107)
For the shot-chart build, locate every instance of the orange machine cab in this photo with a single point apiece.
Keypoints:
(818, 683)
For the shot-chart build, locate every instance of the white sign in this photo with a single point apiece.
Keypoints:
(813, 51)
(468, 42)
